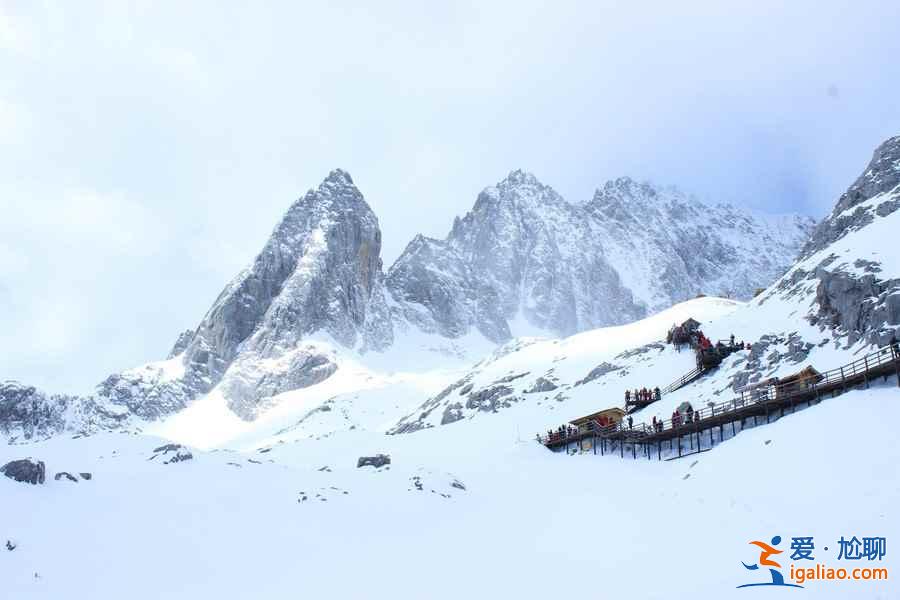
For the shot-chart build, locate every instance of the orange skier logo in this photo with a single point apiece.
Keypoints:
(766, 552)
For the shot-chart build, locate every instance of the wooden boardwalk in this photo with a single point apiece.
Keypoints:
(757, 403)
(724, 350)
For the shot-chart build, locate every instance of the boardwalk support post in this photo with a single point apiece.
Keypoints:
(866, 372)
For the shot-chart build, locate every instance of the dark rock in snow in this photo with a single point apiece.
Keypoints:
(168, 448)
(86, 476)
(25, 471)
(179, 453)
(68, 476)
(377, 461)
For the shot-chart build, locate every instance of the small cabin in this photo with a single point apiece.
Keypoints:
(604, 418)
(800, 380)
(681, 334)
(691, 325)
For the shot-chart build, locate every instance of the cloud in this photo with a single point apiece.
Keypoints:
(15, 35)
(147, 149)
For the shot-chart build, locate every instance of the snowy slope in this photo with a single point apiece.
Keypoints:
(234, 524)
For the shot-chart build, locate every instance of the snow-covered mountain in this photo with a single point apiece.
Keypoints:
(466, 477)
(525, 260)
(839, 299)
(319, 273)
(669, 246)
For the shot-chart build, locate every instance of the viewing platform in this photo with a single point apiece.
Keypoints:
(762, 400)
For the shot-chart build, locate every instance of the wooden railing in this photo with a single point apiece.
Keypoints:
(848, 374)
(682, 381)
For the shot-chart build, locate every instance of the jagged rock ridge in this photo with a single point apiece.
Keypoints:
(525, 256)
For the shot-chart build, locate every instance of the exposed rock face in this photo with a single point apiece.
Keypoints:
(145, 394)
(320, 271)
(521, 250)
(525, 255)
(29, 414)
(432, 275)
(881, 177)
(850, 262)
(184, 338)
(66, 475)
(669, 247)
(249, 385)
(25, 471)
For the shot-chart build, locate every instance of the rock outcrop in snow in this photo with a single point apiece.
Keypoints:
(851, 266)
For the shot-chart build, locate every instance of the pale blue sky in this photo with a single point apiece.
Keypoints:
(147, 150)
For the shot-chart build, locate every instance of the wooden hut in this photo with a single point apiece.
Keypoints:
(800, 380)
(681, 334)
(604, 418)
(691, 325)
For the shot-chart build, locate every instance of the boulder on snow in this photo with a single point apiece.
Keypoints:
(86, 476)
(25, 470)
(541, 384)
(167, 448)
(377, 461)
(179, 453)
(68, 476)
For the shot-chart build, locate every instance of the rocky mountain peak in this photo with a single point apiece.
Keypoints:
(880, 177)
(519, 191)
(627, 193)
(519, 177)
(320, 270)
(337, 181)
